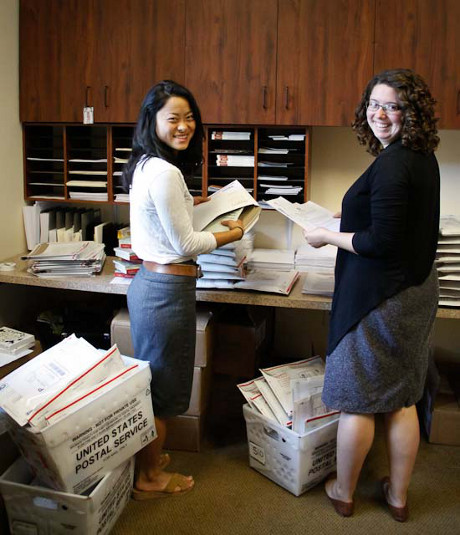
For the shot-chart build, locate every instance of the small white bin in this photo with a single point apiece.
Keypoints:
(75, 452)
(295, 462)
(35, 510)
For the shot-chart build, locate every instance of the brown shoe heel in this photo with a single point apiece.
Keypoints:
(400, 514)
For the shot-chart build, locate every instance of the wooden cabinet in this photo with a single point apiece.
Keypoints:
(423, 35)
(230, 62)
(325, 53)
(136, 44)
(100, 53)
(53, 59)
(286, 62)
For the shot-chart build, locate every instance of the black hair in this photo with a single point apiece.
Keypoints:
(146, 142)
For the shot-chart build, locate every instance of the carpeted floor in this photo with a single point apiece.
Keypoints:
(231, 498)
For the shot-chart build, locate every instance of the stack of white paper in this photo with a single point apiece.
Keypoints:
(14, 344)
(273, 259)
(308, 258)
(224, 266)
(448, 261)
(319, 283)
(269, 281)
(54, 260)
(290, 394)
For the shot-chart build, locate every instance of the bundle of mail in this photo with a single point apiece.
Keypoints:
(59, 381)
(76, 259)
(14, 344)
(290, 394)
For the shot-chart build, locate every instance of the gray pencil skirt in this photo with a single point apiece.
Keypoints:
(381, 364)
(163, 329)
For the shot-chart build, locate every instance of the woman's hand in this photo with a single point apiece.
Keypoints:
(199, 199)
(231, 224)
(316, 237)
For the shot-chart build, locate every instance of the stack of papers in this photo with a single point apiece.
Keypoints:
(269, 281)
(271, 259)
(448, 261)
(319, 283)
(230, 135)
(221, 268)
(14, 344)
(55, 260)
(290, 394)
(59, 381)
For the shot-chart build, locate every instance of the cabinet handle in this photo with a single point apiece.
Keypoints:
(106, 96)
(458, 101)
(88, 89)
(264, 105)
(286, 97)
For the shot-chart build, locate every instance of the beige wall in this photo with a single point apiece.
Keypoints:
(12, 239)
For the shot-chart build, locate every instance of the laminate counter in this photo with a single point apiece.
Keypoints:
(102, 283)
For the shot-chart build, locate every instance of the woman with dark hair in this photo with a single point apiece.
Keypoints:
(386, 288)
(167, 144)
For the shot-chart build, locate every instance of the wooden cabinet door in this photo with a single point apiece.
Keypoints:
(423, 35)
(136, 44)
(230, 64)
(325, 54)
(53, 60)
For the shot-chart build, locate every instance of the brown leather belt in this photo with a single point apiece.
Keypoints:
(188, 270)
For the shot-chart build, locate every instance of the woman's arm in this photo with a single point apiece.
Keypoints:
(235, 232)
(319, 237)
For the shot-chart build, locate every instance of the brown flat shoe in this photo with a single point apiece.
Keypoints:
(341, 508)
(400, 514)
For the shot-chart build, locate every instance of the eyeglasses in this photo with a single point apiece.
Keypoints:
(391, 107)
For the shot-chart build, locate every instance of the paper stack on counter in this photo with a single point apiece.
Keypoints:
(56, 260)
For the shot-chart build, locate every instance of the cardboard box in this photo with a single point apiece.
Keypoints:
(42, 511)
(241, 337)
(120, 334)
(199, 398)
(443, 424)
(75, 452)
(439, 409)
(185, 433)
(295, 462)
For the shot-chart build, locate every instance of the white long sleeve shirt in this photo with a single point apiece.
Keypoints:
(161, 211)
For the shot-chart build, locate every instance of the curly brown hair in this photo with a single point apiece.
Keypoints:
(419, 130)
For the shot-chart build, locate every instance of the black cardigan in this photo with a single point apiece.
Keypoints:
(393, 209)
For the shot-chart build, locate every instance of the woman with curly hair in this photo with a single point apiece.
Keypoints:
(386, 288)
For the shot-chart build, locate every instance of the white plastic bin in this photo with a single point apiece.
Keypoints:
(295, 462)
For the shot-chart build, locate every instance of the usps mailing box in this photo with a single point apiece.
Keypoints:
(43, 511)
(295, 462)
(75, 452)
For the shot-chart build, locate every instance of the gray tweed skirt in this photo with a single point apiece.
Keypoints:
(381, 364)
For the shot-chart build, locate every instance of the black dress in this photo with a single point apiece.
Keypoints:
(393, 209)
